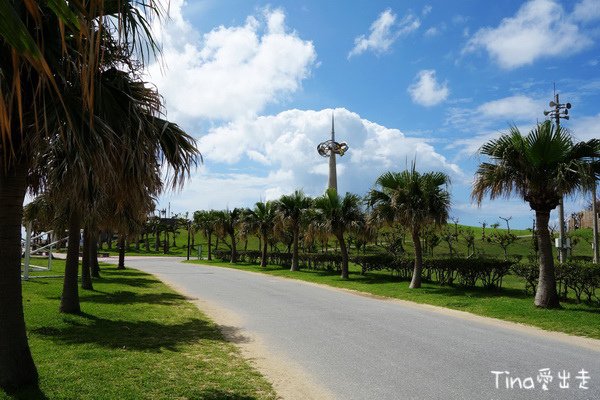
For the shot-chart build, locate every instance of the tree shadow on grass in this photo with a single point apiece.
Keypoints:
(134, 335)
(216, 394)
(127, 297)
(126, 277)
(29, 393)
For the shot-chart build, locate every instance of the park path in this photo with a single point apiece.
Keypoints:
(318, 342)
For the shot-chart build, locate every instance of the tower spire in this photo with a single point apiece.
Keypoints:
(332, 128)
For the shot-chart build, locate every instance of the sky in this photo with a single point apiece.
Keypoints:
(256, 83)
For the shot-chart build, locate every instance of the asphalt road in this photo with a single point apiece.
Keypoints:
(359, 347)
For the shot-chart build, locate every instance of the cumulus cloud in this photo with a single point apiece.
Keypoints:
(383, 33)
(270, 155)
(426, 90)
(540, 28)
(229, 72)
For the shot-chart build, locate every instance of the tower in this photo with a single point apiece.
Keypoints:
(329, 149)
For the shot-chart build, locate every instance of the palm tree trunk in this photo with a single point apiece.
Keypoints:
(295, 250)
(344, 251)
(233, 249)
(263, 254)
(69, 302)
(94, 266)
(16, 364)
(546, 295)
(121, 264)
(86, 276)
(157, 242)
(415, 283)
(209, 237)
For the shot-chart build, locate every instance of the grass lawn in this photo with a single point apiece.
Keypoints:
(521, 247)
(136, 339)
(509, 303)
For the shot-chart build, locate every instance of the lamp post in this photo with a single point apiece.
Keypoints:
(557, 112)
(189, 227)
(595, 249)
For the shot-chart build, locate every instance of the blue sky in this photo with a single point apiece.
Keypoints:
(256, 84)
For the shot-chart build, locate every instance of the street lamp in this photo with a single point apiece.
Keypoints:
(557, 112)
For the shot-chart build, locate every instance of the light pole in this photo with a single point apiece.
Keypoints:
(594, 218)
(557, 112)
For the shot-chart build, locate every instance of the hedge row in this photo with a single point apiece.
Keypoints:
(316, 261)
(445, 271)
(582, 277)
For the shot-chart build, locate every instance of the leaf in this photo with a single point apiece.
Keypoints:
(14, 32)
(64, 13)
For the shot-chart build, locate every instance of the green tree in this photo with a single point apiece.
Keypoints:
(291, 208)
(415, 201)
(540, 167)
(338, 215)
(262, 220)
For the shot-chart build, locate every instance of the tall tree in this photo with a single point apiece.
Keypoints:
(540, 167)
(415, 200)
(262, 220)
(338, 215)
(291, 208)
(207, 221)
(227, 221)
(50, 50)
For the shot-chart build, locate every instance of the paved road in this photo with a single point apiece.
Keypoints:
(364, 348)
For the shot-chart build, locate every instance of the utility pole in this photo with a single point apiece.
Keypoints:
(560, 111)
(595, 218)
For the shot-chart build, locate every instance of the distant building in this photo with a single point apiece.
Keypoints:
(581, 219)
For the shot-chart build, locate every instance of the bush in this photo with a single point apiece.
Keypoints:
(582, 277)
(446, 271)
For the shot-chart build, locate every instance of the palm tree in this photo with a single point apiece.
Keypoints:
(541, 167)
(54, 74)
(338, 215)
(207, 222)
(414, 200)
(291, 208)
(226, 224)
(262, 220)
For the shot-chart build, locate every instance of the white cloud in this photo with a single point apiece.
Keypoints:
(426, 10)
(229, 72)
(426, 90)
(587, 10)
(540, 28)
(433, 31)
(517, 108)
(586, 128)
(384, 32)
(265, 156)
(490, 119)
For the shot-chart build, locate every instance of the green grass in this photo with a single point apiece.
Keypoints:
(509, 303)
(136, 339)
(522, 247)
